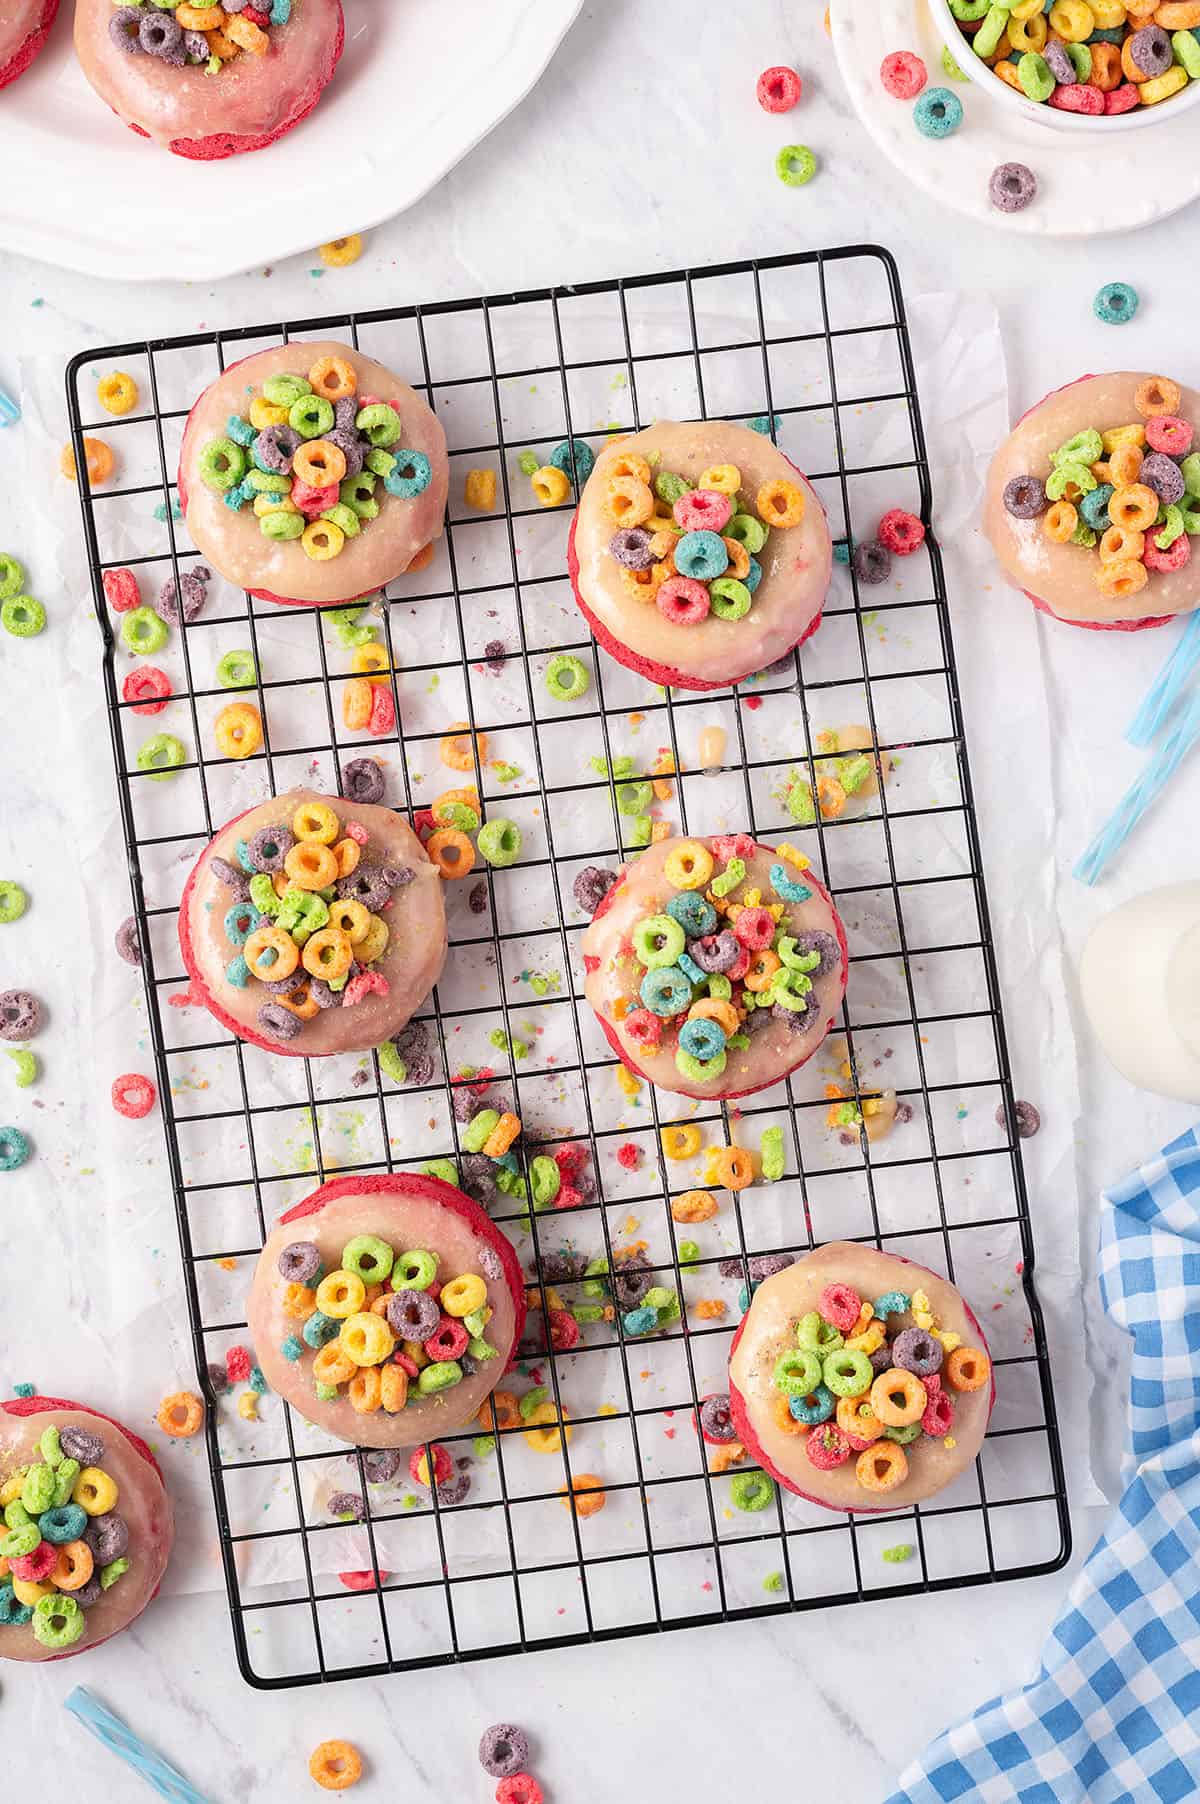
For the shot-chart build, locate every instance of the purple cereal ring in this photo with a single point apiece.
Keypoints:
(1012, 186)
(1025, 497)
(299, 1263)
(195, 45)
(278, 1021)
(716, 952)
(1150, 48)
(397, 876)
(86, 1595)
(631, 547)
(475, 1176)
(915, 1351)
(631, 1283)
(872, 562)
(412, 1039)
(128, 941)
(362, 780)
(232, 877)
(366, 885)
(381, 1464)
(81, 1444)
(350, 446)
(560, 1268)
(348, 1503)
(797, 1020)
(716, 1419)
(345, 411)
(881, 1360)
(503, 1750)
(107, 1536)
(322, 995)
(269, 847)
(455, 1489)
(124, 28)
(765, 1265)
(161, 35)
(1161, 473)
(591, 885)
(412, 1314)
(274, 449)
(826, 945)
(285, 986)
(21, 1015)
(194, 592)
(1059, 63)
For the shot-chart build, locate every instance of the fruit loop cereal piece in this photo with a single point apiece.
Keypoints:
(161, 756)
(902, 533)
(14, 1149)
(903, 74)
(898, 1398)
(146, 689)
(732, 1167)
(795, 165)
(552, 487)
(567, 678)
(937, 113)
(587, 1496)
(479, 490)
(694, 1206)
(881, 1467)
(133, 1096)
(13, 901)
(1157, 395)
(452, 853)
(499, 842)
(99, 461)
(12, 576)
(967, 1369)
(1115, 303)
(238, 730)
(338, 253)
(683, 601)
(117, 392)
(455, 749)
(778, 89)
(336, 1765)
(21, 1015)
(520, 1788)
(180, 1415)
(22, 616)
(503, 1750)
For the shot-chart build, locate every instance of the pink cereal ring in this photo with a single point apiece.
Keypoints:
(683, 600)
(133, 1095)
(939, 1415)
(779, 89)
(732, 845)
(1117, 100)
(903, 74)
(406, 1364)
(755, 928)
(737, 971)
(147, 689)
(383, 711)
(827, 1447)
(358, 833)
(1168, 433)
(1074, 97)
(367, 983)
(643, 1028)
(313, 502)
(901, 532)
(418, 1464)
(238, 1364)
(840, 1305)
(703, 510)
(34, 1567)
(1173, 558)
(121, 590)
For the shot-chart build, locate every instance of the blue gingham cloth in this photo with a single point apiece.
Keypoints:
(1113, 1716)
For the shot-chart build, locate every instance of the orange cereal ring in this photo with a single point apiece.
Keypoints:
(347, 852)
(1125, 461)
(332, 1366)
(500, 1410)
(335, 1765)
(1158, 394)
(831, 797)
(98, 457)
(739, 559)
(1106, 67)
(220, 44)
(299, 1301)
(763, 967)
(358, 698)
(713, 1008)
(479, 490)
(246, 34)
(271, 939)
(328, 954)
(638, 585)
(733, 1167)
(310, 865)
(785, 1421)
(586, 1495)
(1007, 73)
(856, 1417)
(333, 377)
(694, 1205)
(1121, 542)
(201, 18)
(968, 1369)
(780, 503)
(365, 1391)
(1134, 506)
(455, 748)
(181, 1415)
(1060, 521)
(502, 1135)
(393, 1380)
(898, 1398)
(319, 462)
(238, 730)
(1178, 15)
(452, 852)
(626, 501)
(882, 1467)
(73, 1567)
(631, 465)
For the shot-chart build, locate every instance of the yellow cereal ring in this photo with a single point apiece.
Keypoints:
(551, 487)
(1119, 580)
(1121, 542)
(319, 463)
(1156, 396)
(681, 1141)
(1161, 87)
(630, 464)
(314, 820)
(374, 941)
(322, 540)
(28, 1591)
(263, 413)
(725, 478)
(1124, 466)
(332, 1365)
(1134, 506)
(328, 954)
(543, 1438)
(780, 503)
(271, 939)
(274, 504)
(341, 1295)
(455, 748)
(349, 917)
(637, 585)
(366, 1339)
(694, 1205)
(689, 865)
(626, 501)
(364, 1390)
(371, 660)
(1073, 21)
(118, 392)
(1025, 35)
(1059, 522)
(333, 377)
(479, 490)
(201, 18)
(712, 1008)
(462, 1295)
(238, 730)
(310, 865)
(299, 1301)
(95, 1492)
(1026, 9)
(1134, 434)
(13, 1486)
(246, 34)
(341, 251)
(357, 702)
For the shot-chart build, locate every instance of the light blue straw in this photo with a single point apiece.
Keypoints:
(1164, 690)
(1136, 800)
(117, 1736)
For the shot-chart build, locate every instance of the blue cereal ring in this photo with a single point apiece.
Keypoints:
(753, 576)
(12, 1614)
(691, 969)
(640, 1321)
(937, 113)
(702, 1037)
(410, 475)
(701, 556)
(696, 916)
(575, 459)
(818, 1406)
(1117, 302)
(666, 991)
(240, 430)
(893, 1302)
(14, 1148)
(785, 886)
(1093, 508)
(240, 922)
(66, 1523)
(319, 1329)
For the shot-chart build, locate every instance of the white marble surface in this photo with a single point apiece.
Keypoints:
(617, 165)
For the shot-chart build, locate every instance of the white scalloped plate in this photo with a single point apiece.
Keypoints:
(421, 82)
(1085, 186)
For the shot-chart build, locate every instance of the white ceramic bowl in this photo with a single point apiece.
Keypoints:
(978, 71)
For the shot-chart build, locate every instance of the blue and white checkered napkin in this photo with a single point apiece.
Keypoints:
(1113, 1716)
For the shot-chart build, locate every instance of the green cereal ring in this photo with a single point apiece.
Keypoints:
(689, 1252)
(728, 598)
(279, 525)
(57, 1619)
(748, 531)
(439, 1377)
(658, 940)
(478, 1129)
(771, 1155)
(22, 616)
(112, 1572)
(445, 1169)
(64, 1482)
(344, 518)
(847, 1373)
(143, 633)
(267, 482)
(368, 1257)
(222, 465)
(311, 416)
(1190, 469)
(51, 1451)
(567, 678)
(817, 1335)
(634, 797)
(27, 1067)
(477, 1319)
(1081, 57)
(733, 874)
(995, 24)
(1033, 71)
(1172, 527)
(1085, 448)
(458, 815)
(670, 488)
(325, 1393)
(481, 1349)
(302, 912)
(379, 423)
(12, 575)
(804, 962)
(379, 461)
(263, 896)
(500, 842)
(356, 493)
(1084, 534)
(699, 1071)
(658, 1297)
(415, 1270)
(1058, 479)
(13, 901)
(796, 165)
(1187, 52)
(797, 1372)
(719, 986)
(161, 755)
(545, 1181)
(951, 69)
(284, 390)
(15, 1513)
(902, 1436)
(237, 670)
(390, 1062)
(348, 633)
(751, 1491)
(528, 463)
(641, 832)
(532, 1400)
(970, 10)
(37, 1493)
(20, 1541)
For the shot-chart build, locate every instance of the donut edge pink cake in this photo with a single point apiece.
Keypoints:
(31, 46)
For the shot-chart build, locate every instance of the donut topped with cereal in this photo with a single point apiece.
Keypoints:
(715, 966)
(859, 1380)
(699, 554)
(1093, 501)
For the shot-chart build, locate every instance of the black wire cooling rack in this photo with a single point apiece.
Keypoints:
(817, 345)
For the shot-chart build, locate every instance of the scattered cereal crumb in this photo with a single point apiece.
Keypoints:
(896, 1556)
(25, 1390)
(773, 1582)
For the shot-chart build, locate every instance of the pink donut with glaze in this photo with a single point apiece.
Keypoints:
(279, 570)
(411, 963)
(252, 102)
(796, 563)
(24, 28)
(142, 1500)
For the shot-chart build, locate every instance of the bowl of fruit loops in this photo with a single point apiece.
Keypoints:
(207, 81)
(312, 925)
(1094, 498)
(699, 553)
(1078, 65)
(715, 966)
(860, 1381)
(385, 1309)
(87, 1532)
(310, 474)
